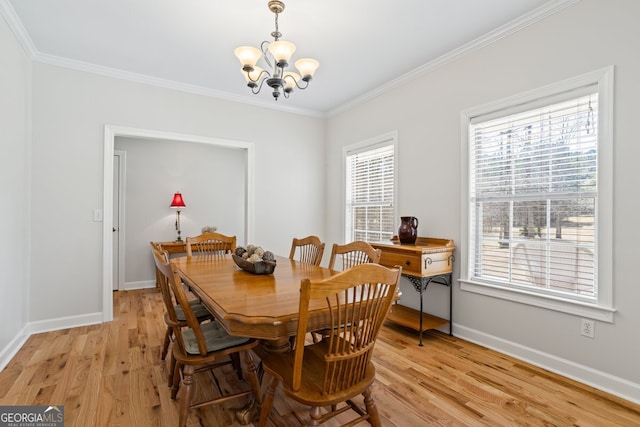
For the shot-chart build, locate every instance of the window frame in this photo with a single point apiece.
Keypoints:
(390, 138)
(602, 309)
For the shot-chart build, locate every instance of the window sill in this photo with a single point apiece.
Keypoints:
(591, 311)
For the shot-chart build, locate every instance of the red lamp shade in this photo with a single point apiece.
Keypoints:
(177, 201)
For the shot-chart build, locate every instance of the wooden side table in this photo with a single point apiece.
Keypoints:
(428, 260)
(172, 247)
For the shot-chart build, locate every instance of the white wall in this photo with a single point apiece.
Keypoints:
(212, 181)
(15, 90)
(70, 110)
(587, 36)
(62, 174)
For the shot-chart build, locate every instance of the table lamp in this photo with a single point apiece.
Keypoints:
(177, 203)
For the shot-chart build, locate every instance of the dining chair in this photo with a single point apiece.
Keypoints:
(334, 371)
(210, 244)
(354, 253)
(199, 310)
(202, 347)
(310, 250)
(350, 255)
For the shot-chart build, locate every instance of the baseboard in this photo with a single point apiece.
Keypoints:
(13, 347)
(144, 284)
(64, 323)
(7, 353)
(31, 328)
(601, 380)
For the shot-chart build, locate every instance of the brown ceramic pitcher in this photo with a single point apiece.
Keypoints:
(408, 231)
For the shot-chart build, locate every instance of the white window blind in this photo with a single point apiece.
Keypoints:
(370, 188)
(533, 189)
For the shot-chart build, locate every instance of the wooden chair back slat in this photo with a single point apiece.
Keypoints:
(310, 250)
(354, 253)
(210, 244)
(161, 258)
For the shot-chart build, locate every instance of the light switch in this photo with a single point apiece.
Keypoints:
(97, 215)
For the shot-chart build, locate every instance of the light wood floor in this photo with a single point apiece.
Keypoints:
(111, 375)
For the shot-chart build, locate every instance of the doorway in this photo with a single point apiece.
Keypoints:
(111, 132)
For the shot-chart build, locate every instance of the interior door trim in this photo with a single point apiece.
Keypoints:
(110, 134)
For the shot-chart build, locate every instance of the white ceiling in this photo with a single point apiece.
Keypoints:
(362, 45)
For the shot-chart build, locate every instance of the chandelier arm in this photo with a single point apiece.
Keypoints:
(264, 47)
(297, 82)
(302, 87)
(255, 89)
(263, 75)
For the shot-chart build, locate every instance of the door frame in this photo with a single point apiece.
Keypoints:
(122, 179)
(110, 134)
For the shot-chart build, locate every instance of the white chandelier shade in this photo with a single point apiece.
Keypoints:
(307, 66)
(248, 55)
(282, 51)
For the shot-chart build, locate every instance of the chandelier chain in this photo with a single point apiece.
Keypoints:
(276, 34)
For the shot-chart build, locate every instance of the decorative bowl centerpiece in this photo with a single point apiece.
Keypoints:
(254, 259)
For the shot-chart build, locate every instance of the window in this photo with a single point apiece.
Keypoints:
(538, 197)
(370, 177)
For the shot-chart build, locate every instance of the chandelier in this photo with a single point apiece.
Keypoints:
(277, 55)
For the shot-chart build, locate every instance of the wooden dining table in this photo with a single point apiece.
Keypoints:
(262, 306)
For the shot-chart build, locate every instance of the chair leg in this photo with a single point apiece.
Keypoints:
(315, 416)
(372, 409)
(175, 384)
(267, 402)
(185, 399)
(165, 344)
(172, 367)
(237, 366)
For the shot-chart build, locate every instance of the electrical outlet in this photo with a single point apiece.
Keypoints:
(587, 328)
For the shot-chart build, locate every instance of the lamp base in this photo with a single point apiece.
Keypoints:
(179, 239)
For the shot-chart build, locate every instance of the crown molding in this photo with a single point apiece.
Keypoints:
(493, 36)
(165, 83)
(10, 16)
(548, 9)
